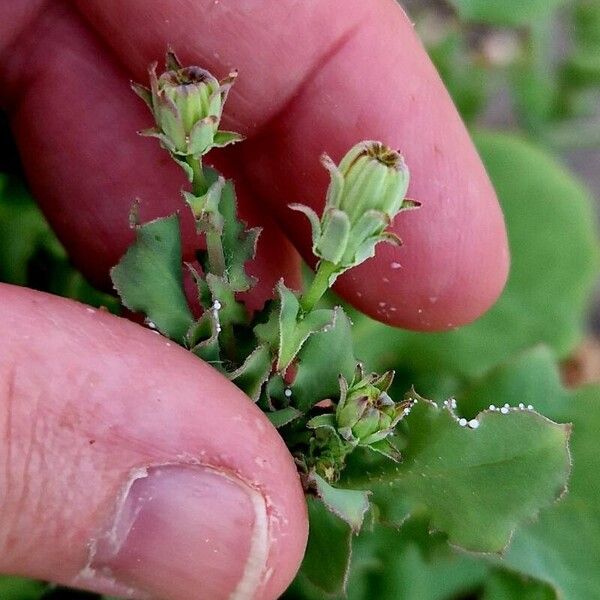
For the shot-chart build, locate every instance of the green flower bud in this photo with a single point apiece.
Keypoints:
(370, 177)
(366, 192)
(366, 414)
(187, 104)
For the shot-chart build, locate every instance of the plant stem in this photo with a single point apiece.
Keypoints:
(319, 285)
(214, 247)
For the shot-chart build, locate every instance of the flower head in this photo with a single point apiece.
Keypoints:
(187, 104)
(365, 413)
(367, 190)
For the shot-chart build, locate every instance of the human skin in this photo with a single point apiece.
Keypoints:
(127, 464)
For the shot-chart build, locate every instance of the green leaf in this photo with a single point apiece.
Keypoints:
(505, 12)
(282, 417)
(554, 267)
(479, 483)
(323, 358)
(253, 373)
(239, 243)
(231, 311)
(149, 277)
(327, 558)
(502, 585)
(562, 547)
(224, 138)
(17, 588)
(294, 327)
(348, 505)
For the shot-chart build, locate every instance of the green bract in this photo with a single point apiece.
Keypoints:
(366, 192)
(187, 103)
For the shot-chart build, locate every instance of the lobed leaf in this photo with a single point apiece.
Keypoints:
(477, 484)
(562, 547)
(348, 505)
(327, 558)
(149, 277)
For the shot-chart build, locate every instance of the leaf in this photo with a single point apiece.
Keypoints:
(502, 585)
(505, 12)
(203, 339)
(554, 267)
(231, 311)
(323, 358)
(224, 138)
(327, 558)
(348, 505)
(562, 547)
(239, 243)
(294, 327)
(478, 484)
(149, 277)
(17, 588)
(253, 373)
(282, 417)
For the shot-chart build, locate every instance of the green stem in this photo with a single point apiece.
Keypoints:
(319, 285)
(214, 245)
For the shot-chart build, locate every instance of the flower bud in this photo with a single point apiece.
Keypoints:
(366, 414)
(374, 177)
(187, 104)
(366, 192)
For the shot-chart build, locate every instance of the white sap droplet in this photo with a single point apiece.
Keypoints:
(521, 405)
(287, 392)
(504, 410)
(217, 305)
(462, 422)
(473, 423)
(492, 407)
(151, 324)
(529, 407)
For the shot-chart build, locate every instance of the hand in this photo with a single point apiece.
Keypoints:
(129, 467)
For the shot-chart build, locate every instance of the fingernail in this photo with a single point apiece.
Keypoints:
(186, 532)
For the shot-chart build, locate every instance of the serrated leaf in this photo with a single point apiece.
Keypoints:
(562, 547)
(323, 358)
(294, 327)
(253, 373)
(203, 339)
(505, 12)
(239, 243)
(554, 266)
(149, 277)
(327, 558)
(348, 505)
(478, 484)
(224, 138)
(231, 311)
(284, 416)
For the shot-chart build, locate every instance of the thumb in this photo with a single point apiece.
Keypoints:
(129, 467)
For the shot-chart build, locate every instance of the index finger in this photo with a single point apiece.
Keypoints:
(319, 76)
